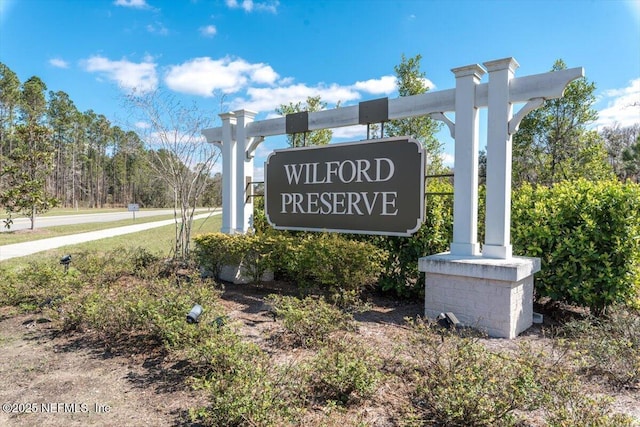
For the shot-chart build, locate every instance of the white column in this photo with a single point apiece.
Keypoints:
(244, 169)
(465, 199)
(497, 243)
(228, 174)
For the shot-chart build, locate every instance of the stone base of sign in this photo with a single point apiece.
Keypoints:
(492, 295)
(237, 275)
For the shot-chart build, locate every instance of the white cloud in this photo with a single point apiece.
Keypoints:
(59, 63)
(258, 173)
(208, 31)
(263, 74)
(383, 85)
(267, 99)
(350, 132)
(250, 6)
(136, 4)
(128, 75)
(255, 86)
(447, 159)
(428, 84)
(203, 76)
(157, 28)
(263, 151)
(142, 125)
(623, 106)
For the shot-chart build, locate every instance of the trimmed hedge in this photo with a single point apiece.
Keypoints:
(588, 237)
(328, 261)
(400, 255)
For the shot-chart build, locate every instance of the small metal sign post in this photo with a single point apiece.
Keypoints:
(133, 207)
(370, 187)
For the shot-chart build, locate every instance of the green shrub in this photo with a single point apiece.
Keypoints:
(105, 268)
(244, 389)
(457, 381)
(328, 261)
(564, 402)
(344, 372)
(608, 347)
(255, 254)
(309, 322)
(334, 263)
(398, 269)
(38, 285)
(215, 250)
(259, 219)
(588, 237)
(578, 410)
(151, 312)
(263, 253)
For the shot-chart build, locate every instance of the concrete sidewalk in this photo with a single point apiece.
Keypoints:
(28, 248)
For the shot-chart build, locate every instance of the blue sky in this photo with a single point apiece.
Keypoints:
(261, 53)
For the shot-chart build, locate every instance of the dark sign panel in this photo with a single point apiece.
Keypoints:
(369, 187)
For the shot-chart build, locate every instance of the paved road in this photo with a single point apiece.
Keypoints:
(51, 221)
(28, 248)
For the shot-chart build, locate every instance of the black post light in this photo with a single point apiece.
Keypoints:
(66, 260)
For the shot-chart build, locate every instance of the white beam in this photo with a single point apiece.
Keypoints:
(548, 85)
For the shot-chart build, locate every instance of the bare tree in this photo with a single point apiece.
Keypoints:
(179, 154)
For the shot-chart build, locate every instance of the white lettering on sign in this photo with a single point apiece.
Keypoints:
(340, 203)
(346, 171)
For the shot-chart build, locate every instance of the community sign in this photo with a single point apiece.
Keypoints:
(369, 187)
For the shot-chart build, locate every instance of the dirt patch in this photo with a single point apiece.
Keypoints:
(73, 380)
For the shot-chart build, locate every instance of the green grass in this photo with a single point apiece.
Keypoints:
(10, 237)
(157, 240)
(85, 211)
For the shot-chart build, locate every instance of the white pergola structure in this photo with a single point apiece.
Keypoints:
(454, 277)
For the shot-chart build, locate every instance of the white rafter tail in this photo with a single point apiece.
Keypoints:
(253, 144)
(533, 104)
(447, 121)
(549, 85)
(215, 134)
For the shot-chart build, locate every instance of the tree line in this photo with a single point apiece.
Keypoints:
(555, 143)
(52, 154)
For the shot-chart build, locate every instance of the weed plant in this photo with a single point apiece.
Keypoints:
(458, 382)
(243, 387)
(308, 322)
(344, 372)
(608, 347)
(38, 286)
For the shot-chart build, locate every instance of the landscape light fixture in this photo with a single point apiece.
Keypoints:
(66, 260)
(194, 314)
(219, 322)
(448, 320)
